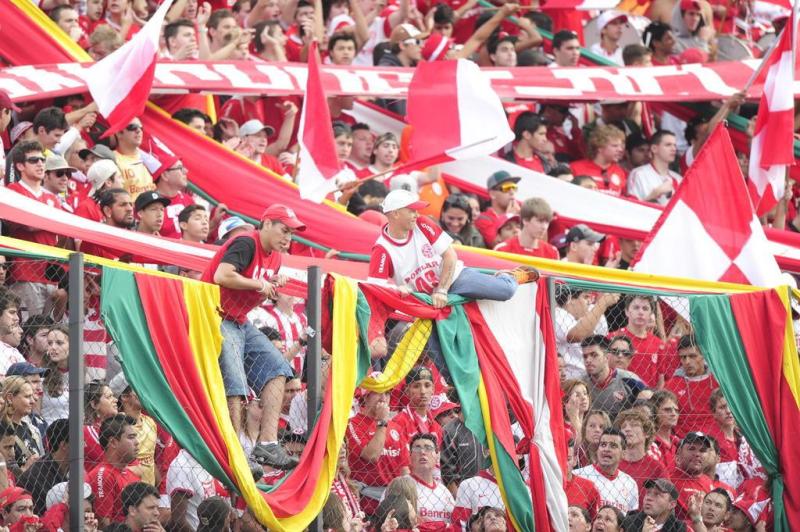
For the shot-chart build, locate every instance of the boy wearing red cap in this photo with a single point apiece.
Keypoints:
(246, 269)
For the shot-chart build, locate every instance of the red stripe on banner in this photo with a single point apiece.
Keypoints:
(177, 361)
(761, 320)
(95, 361)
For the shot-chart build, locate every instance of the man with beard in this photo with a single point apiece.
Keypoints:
(117, 208)
(657, 509)
(688, 477)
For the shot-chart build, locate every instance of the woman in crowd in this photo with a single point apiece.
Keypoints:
(269, 42)
(595, 422)
(55, 402)
(576, 404)
(578, 519)
(19, 400)
(99, 404)
(456, 220)
(251, 425)
(665, 443)
(608, 519)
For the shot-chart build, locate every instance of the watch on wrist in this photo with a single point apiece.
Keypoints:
(382, 424)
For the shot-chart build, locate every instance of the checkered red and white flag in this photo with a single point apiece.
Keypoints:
(708, 231)
(772, 147)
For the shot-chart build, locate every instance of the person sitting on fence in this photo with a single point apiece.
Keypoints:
(246, 268)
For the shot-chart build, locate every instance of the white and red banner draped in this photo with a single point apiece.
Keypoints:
(695, 82)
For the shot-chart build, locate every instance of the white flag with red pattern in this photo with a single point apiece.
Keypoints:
(772, 147)
(120, 83)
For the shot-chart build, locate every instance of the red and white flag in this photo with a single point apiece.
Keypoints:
(708, 230)
(320, 171)
(772, 147)
(120, 83)
(454, 113)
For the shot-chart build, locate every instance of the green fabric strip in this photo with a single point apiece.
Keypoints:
(124, 318)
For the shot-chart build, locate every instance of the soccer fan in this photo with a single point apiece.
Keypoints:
(6, 108)
(140, 506)
(51, 469)
(434, 501)
(727, 435)
(606, 147)
(102, 175)
(665, 416)
(638, 431)
(462, 454)
(693, 386)
(112, 475)
(575, 319)
(255, 139)
(416, 417)
(609, 389)
(405, 50)
(615, 487)
(290, 326)
(136, 177)
(149, 208)
(658, 505)
(247, 270)
(536, 215)
(687, 475)
(502, 187)
(582, 244)
(188, 484)
(580, 491)
(637, 55)
(578, 519)
(655, 181)
(363, 141)
(474, 494)
(620, 353)
(563, 132)
(714, 510)
(628, 248)
(530, 136)
(225, 39)
(99, 405)
(19, 399)
(378, 450)
(18, 514)
(688, 22)
(502, 50)
(566, 49)
(10, 330)
(342, 48)
(171, 180)
(117, 209)
(103, 41)
(610, 24)
(57, 174)
(658, 36)
(650, 351)
(193, 118)
(181, 41)
(457, 221)
(193, 223)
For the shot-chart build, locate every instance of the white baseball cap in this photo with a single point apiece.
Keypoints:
(606, 17)
(401, 198)
(100, 172)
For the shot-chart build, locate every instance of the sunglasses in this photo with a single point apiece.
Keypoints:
(623, 352)
(507, 187)
(134, 127)
(63, 173)
(180, 168)
(34, 160)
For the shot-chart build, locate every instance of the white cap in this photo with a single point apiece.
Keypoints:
(58, 493)
(404, 182)
(401, 198)
(607, 16)
(100, 171)
(229, 224)
(251, 127)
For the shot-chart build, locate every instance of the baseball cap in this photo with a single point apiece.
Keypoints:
(163, 164)
(443, 408)
(401, 198)
(503, 219)
(101, 151)
(500, 177)
(583, 232)
(419, 373)
(18, 130)
(119, 384)
(284, 215)
(24, 369)
(13, 494)
(436, 47)
(251, 127)
(6, 103)
(57, 162)
(695, 437)
(229, 224)
(405, 182)
(58, 493)
(663, 485)
(404, 32)
(686, 5)
(607, 17)
(100, 171)
(146, 198)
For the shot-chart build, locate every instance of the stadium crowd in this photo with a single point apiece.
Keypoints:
(652, 443)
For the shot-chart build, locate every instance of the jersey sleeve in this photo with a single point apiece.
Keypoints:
(240, 253)
(434, 234)
(380, 264)
(104, 488)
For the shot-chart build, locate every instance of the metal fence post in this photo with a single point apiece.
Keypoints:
(76, 390)
(314, 357)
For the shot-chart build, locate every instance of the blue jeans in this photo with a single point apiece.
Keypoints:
(475, 285)
(248, 358)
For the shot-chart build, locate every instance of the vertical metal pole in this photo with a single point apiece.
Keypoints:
(314, 357)
(551, 293)
(76, 387)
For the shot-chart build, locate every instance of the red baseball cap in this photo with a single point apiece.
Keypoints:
(13, 494)
(436, 47)
(283, 214)
(690, 4)
(6, 103)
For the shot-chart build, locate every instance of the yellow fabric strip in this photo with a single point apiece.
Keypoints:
(791, 364)
(40, 18)
(404, 358)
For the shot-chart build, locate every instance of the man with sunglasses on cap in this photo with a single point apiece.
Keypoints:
(135, 175)
(246, 269)
(502, 187)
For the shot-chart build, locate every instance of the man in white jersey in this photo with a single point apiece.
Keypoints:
(434, 501)
(654, 181)
(616, 487)
(475, 493)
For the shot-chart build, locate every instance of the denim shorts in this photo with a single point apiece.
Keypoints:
(248, 358)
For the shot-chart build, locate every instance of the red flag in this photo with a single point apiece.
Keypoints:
(120, 83)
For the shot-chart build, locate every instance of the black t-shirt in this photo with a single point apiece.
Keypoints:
(240, 253)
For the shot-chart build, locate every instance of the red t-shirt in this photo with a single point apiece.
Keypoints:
(582, 492)
(411, 424)
(667, 450)
(89, 209)
(643, 470)
(107, 483)
(687, 486)
(272, 162)
(393, 458)
(92, 451)
(564, 145)
(611, 179)
(649, 357)
(693, 402)
(177, 203)
(728, 449)
(531, 163)
(485, 223)
(543, 249)
(28, 271)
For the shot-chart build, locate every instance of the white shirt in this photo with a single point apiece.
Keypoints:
(478, 491)
(643, 179)
(54, 408)
(573, 355)
(620, 491)
(616, 57)
(434, 502)
(377, 34)
(8, 356)
(186, 474)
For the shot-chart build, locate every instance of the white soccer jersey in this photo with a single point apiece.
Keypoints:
(643, 179)
(434, 502)
(187, 475)
(476, 492)
(620, 491)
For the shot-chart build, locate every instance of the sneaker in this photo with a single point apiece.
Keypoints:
(256, 470)
(525, 274)
(274, 455)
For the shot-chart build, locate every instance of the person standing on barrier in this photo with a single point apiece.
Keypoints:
(246, 269)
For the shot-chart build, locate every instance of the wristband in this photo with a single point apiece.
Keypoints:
(382, 424)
